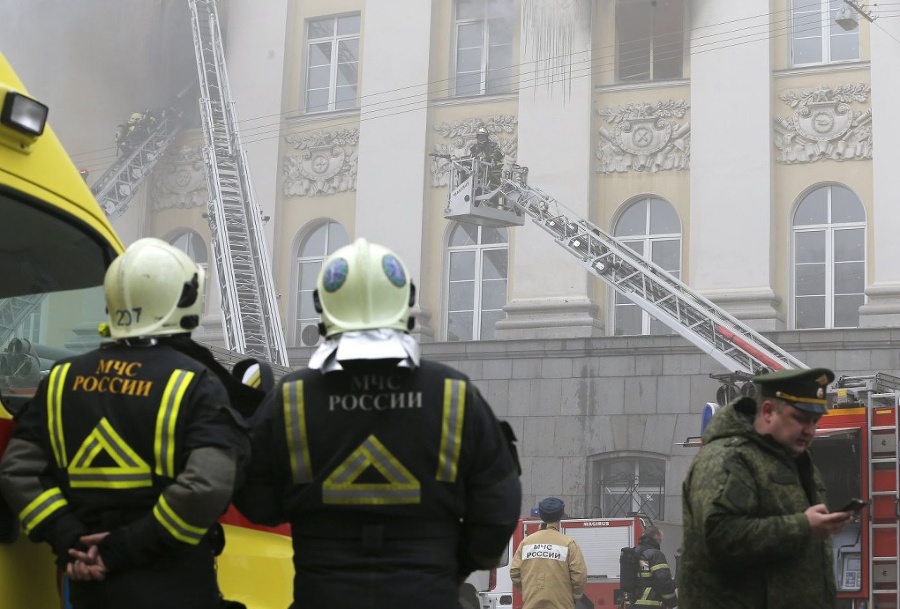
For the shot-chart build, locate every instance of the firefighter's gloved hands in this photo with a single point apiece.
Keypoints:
(62, 535)
(88, 565)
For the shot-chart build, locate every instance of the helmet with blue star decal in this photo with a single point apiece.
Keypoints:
(363, 286)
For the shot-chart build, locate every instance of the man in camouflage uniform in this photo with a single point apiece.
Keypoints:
(756, 531)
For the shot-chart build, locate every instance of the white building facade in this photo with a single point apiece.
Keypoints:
(730, 142)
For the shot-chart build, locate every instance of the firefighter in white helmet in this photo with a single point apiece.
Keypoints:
(128, 454)
(395, 476)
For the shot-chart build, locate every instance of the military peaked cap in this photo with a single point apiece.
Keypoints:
(804, 389)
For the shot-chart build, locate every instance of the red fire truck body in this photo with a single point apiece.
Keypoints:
(856, 451)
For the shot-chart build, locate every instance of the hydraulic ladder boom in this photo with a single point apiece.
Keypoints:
(250, 310)
(481, 197)
(118, 184)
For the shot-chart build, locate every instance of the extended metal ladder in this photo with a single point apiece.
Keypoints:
(478, 197)
(118, 184)
(880, 395)
(250, 310)
(883, 418)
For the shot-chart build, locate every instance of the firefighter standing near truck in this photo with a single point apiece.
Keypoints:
(756, 529)
(395, 476)
(548, 566)
(655, 586)
(128, 454)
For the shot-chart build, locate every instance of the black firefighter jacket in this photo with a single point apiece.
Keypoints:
(397, 483)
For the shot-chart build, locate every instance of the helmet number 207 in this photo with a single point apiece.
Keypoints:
(126, 317)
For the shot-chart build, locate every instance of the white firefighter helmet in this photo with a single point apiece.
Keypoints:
(363, 286)
(481, 135)
(153, 289)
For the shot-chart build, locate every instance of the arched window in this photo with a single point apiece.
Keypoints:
(626, 484)
(651, 227)
(829, 253)
(477, 270)
(313, 248)
(191, 243)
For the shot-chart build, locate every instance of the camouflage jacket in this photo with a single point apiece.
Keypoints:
(747, 542)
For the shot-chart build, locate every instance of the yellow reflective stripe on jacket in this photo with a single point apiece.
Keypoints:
(41, 508)
(451, 429)
(341, 488)
(294, 408)
(173, 523)
(54, 413)
(645, 599)
(130, 470)
(166, 418)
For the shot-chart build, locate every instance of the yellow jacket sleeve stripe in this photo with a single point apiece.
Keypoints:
(175, 525)
(41, 508)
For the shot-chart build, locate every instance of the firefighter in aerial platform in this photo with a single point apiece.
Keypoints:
(395, 476)
(487, 154)
(128, 454)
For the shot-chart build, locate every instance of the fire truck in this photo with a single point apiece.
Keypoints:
(600, 540)
(857, 445)
(856, 451)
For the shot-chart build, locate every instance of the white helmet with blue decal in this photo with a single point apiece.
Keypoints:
(363, 286)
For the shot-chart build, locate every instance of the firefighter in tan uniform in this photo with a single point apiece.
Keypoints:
(128, 454)
(548, 567)
(395, 476)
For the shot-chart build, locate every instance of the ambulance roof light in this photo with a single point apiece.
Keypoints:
(23, 114)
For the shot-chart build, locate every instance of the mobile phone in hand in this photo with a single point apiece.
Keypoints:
(854, 505)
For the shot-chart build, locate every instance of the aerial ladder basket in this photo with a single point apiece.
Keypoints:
(481, 195)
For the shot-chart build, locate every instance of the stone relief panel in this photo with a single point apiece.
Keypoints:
(325, 163)
(461, 135)
(179, 180)
(644, 137)
(824, 125)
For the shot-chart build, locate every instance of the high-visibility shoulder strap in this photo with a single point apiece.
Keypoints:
(451, 429)
(294, 411)
(55, 386)
(166, 419)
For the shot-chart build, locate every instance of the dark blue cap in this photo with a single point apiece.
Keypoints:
(551, 509)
